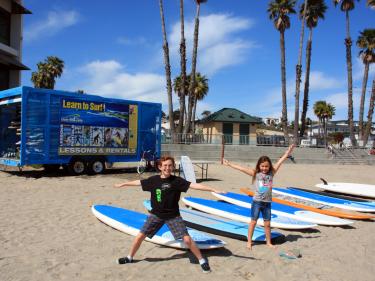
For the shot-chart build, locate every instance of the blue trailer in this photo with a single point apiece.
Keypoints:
(80, 132)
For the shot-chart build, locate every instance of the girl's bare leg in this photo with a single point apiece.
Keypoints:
(250, 232)
(267, 229)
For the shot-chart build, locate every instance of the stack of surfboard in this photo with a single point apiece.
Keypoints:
(242, 214)
(286, 211)
(289, 197)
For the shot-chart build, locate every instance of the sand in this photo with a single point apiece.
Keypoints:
(47, 232)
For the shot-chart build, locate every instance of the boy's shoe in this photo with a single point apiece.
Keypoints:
(124, 260)
(205, 267)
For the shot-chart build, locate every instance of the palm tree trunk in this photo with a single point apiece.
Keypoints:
(348, 44)
(193, 115)
(307, 85)
(193, 71)
(369, 115)
(298, 77)
(183, 70)
(167, 69)
(363, 97)
(284, 112)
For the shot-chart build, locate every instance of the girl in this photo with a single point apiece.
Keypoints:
(262, 179)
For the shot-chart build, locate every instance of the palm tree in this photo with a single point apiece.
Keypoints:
(206, 113)
(48, 71)
(366, 42)
(319, 108)
(279, 11)
(346, 6)
(178, 89)
(298, 75)
(200, 91)
(324, 111)
(369, 115)
(315, 10)
(167, 67)
(183, 69)
(193, 67)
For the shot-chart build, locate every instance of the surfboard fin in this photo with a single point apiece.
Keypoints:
(324, 181)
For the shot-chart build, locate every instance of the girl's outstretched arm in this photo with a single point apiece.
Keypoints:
(128, 183)
(283, 158)
(245, 170)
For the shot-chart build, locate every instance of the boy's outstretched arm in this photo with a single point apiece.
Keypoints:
(283, 158)
(199, 186)
(245, 170)
(128, 183)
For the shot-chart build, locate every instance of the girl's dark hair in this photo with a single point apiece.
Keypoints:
(261, 160)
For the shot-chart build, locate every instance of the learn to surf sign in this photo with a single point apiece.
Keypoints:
(113, 131)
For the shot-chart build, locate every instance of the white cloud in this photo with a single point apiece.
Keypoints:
(358, 71)
(109, 79)
(219, 44)
(320, 81)
(54, 23)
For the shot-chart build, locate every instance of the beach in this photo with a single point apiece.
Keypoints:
(48, 232)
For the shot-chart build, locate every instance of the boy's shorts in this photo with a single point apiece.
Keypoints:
(153, 224)
(261, 207)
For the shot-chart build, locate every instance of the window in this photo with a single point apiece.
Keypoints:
(4, 27)
(4, 78)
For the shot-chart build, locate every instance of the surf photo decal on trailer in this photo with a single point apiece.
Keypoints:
(113, 131)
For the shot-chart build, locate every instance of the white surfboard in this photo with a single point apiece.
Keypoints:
(187, 169)
(366, 190)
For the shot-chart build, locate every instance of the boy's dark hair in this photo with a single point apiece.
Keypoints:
(261, 160)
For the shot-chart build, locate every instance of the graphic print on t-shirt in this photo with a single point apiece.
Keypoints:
(264, 183)
(158, 191)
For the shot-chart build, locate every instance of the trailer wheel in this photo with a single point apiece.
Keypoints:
(77, 167)
(97, 166)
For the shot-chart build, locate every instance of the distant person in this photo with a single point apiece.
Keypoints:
(165, 192)
(108, 137)
(262, 178)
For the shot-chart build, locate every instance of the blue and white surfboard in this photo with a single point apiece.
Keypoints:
(284, 210)
(220, 226)
(131, 222)
(238, 213)
(322, 199)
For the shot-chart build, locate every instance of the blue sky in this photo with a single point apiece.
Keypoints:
(115, 50)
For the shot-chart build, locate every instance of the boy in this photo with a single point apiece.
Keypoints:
(165, 194)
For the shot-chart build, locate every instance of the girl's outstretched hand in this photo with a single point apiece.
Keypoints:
(225, 162)
(290, 148)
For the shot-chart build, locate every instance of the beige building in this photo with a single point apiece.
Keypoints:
(236, 126)
(11, 22)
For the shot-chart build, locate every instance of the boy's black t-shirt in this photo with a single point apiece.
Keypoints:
(165, 194)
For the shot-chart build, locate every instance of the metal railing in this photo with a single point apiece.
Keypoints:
(259, 140)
